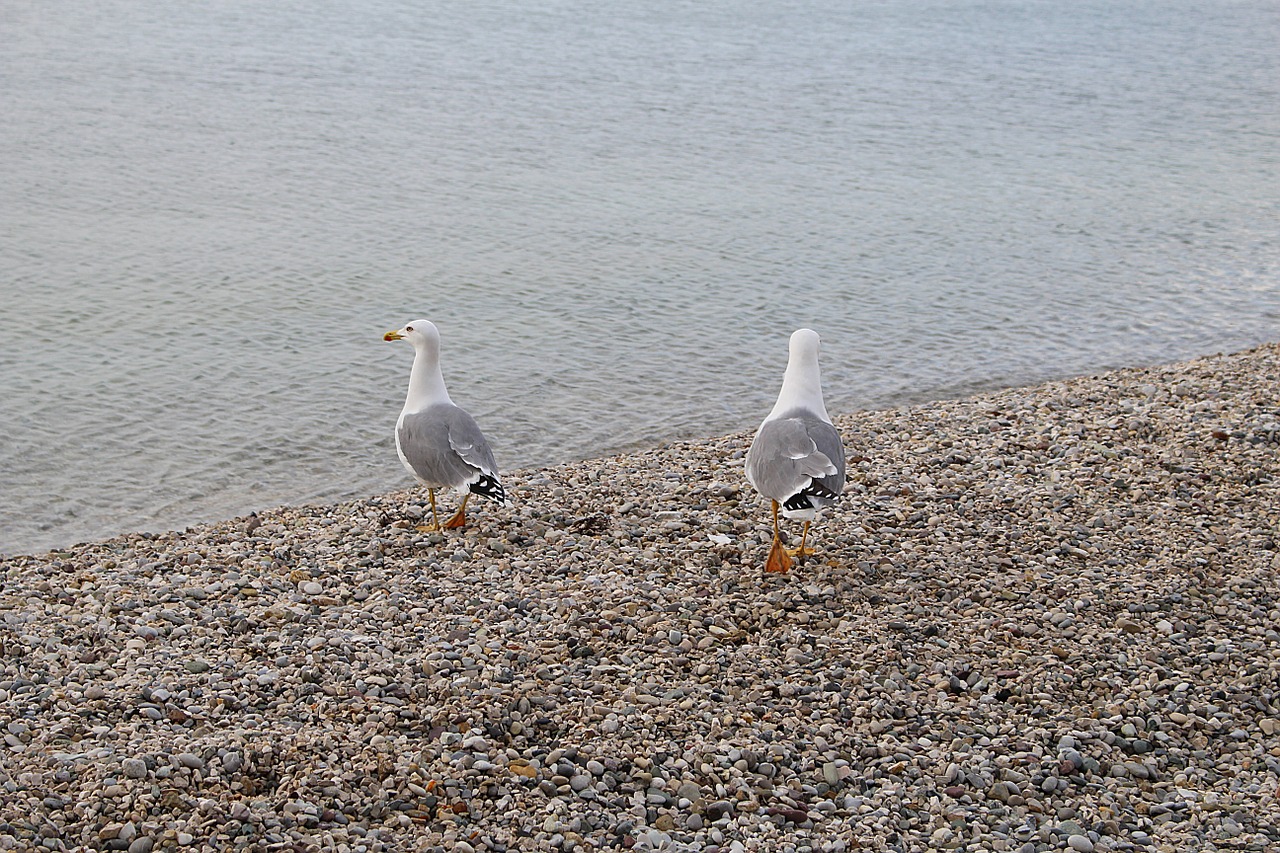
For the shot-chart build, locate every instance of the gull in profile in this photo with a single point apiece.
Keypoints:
(797, 458)
(438, 442)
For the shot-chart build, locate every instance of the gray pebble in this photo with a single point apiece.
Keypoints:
(1080, 843)
(191, 760)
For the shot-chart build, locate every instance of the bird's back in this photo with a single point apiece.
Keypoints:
(442, 446)
(797, 454)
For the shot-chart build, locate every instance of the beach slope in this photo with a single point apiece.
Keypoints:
(1039, 619)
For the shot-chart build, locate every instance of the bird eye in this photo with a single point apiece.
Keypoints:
(408, 328)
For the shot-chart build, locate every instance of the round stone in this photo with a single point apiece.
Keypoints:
(1080, 843)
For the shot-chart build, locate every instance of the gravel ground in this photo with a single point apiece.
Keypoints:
(1041, 619)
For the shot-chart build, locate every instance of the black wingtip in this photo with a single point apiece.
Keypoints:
(800, 500)
(489, 487)
(803, 498)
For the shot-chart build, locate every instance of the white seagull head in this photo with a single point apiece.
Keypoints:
(805, 345)
(423, 334)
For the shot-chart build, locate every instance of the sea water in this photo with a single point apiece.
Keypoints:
(616, 213)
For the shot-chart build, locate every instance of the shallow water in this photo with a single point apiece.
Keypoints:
(616, 213)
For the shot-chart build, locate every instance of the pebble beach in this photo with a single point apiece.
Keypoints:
(1039, 619)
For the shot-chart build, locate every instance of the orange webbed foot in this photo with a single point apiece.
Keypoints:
(779, 561)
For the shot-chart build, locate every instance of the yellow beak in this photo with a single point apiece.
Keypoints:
(393, 336)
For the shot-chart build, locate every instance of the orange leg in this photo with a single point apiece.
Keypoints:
(459, 517)
(778, 561)
(802, 551)
(434, 526)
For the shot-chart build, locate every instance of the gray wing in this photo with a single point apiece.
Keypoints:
(444, 447)
(794, 454)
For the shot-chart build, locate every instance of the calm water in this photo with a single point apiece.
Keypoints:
(615, 212)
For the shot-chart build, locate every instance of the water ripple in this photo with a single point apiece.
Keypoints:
(616, 215)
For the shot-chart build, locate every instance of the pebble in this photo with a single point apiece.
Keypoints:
(190, 759)
(1038, 617)
(232, 762)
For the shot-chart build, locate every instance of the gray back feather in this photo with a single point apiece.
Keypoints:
(444, 446)
(791, 452)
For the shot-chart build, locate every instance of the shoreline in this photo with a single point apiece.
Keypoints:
(155, 525)
(941, 394)
(1041, 616)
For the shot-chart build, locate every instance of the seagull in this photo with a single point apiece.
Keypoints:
(438, 442)
(797, 457)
